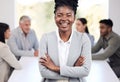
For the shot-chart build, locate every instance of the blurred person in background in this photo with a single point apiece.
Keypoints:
(110, 42)
(7, 58)
(23, 40)
(81, 26)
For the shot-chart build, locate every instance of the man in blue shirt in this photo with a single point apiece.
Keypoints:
(23, 40)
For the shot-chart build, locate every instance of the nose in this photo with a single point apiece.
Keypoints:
(64, 18)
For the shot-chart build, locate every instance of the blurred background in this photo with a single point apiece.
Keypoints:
(41, 13)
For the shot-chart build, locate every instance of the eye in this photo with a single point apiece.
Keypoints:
(59, 15)
(68, 15)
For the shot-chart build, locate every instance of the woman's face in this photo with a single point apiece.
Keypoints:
(79, 26)
(64, 18)
(7, 33)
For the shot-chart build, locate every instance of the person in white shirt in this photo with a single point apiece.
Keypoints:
(64, 47)
(7, 58)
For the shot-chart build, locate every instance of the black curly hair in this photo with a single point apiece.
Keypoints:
(73, 4)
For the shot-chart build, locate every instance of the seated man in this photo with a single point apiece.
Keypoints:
(23, 40)
(110, 42)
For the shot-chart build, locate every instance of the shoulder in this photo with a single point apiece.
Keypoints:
(47, 36)
(3, 46)
(115, 37)
(83, 37)
(15, 31)
(90, 35)
(80, 35)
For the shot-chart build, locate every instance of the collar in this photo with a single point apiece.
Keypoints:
(60, 40)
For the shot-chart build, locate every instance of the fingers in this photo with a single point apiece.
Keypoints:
(47, 55)
(42, 60)
(80, 61)
(81, 58)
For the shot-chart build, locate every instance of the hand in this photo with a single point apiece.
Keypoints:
(80, 61)
(36, 53)
(47, 62)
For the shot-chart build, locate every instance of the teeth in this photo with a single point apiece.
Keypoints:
(64, 24)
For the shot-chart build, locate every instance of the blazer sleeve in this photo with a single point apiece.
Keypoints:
(80, 71)
(10, 58)
(46, 73)
(14, 48)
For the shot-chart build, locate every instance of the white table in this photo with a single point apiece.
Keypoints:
(100, 72)
(29, 73)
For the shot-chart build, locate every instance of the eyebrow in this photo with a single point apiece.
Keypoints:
(62, 13)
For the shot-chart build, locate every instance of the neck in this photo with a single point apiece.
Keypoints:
(107, 34)
(65, 35)
(25, 34)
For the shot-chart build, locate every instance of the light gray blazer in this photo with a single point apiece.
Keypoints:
(80, 45)
(7, 59)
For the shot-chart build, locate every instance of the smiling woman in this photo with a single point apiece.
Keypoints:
(61, 51)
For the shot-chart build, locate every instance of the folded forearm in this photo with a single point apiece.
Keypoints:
(46, 73)
(74, 72)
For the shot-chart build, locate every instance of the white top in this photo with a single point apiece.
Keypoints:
(63, 49)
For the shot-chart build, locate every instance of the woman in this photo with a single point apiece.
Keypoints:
(61, 50)
(81, 26)
(7, 59)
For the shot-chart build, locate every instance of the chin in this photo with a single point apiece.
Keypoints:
(64, 29)
(102, 35)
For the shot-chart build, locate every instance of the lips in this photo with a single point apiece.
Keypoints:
(64, 23)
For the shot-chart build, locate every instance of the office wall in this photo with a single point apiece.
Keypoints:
(114, 14)
(7, 12)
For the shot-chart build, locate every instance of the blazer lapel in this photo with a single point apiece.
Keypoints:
(53, 48)
(75, 50)
(56, 53)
